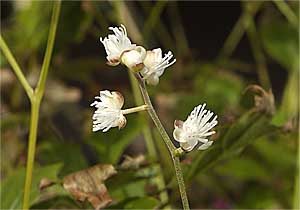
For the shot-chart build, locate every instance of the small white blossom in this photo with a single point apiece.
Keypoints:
(108, 113)
(196, 129)
(115, 44)
(133, 59)
(155, 65)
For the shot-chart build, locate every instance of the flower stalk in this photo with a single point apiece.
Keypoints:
(167, 140)
(159, 180)
(135, 109)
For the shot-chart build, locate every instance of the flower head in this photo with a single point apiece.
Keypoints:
(133, 59)
(155, 65)
(108, 113)
(115, 44)
(196, 129)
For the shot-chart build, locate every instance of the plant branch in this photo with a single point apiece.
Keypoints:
(166, 139)
(259, 57)
(15, 66)
(164, 198)
(34, 117)
(35, 100)
(51, 38)
(238, 30)
(287, 12)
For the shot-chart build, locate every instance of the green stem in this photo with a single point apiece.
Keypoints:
(287, 12)
(15, 66)
(35, 105)
(166, 139)
(149, 141)
(51, 38)
(259, 57)
(238, 31)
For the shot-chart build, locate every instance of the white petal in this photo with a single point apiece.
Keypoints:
(178, 135)
(188, 146)
(205, 146)
(108, 111)
(155, 65)
(196, 128)
(133, 59)
(115, 44)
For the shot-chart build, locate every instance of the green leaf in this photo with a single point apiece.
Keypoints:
(28, 34)
(142, 203)
(270, 150)
(221, 90)
(70, 155)
(290, 106)
(133, 184)
(12, 186)
(245, 131)
(244, 168)
(239, 127)
(111, 145)
(281, 42)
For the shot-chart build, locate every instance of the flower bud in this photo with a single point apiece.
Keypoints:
(133, 59)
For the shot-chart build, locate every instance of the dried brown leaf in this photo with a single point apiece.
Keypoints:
(133, 162)
(89, 184)
(264, 102)
(45, 183)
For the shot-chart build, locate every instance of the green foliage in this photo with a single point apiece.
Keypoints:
(142, 203)
(28, 38)
(52, 151)
(281, 43)
(11, 187)
(244, 169)
(111, 145)
(243, 132)
(252, 161)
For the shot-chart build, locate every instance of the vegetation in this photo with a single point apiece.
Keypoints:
(53, 64)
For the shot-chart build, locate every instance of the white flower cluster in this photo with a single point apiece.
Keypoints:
(119, 49)
(193, 133)
(196, 129)
(108, 113)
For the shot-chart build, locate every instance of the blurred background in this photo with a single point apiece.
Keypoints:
(221, 48)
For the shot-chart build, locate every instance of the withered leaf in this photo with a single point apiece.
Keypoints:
(45, 183)
(89, 184)
(133, 162)
(265, 101)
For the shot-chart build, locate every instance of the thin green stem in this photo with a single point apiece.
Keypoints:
(166, 139)
(238, 31)
(31, 150)
(259, 57)
(146, 130)
(153, 18)
(35, 100)
(15, 66)
(149, 141)
(51, 38)
(287, 12)
(153, 114)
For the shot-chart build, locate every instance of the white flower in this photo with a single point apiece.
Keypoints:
(155, 65)
(196, 129)
(108, 113)
(133, 59)
(116, 44)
